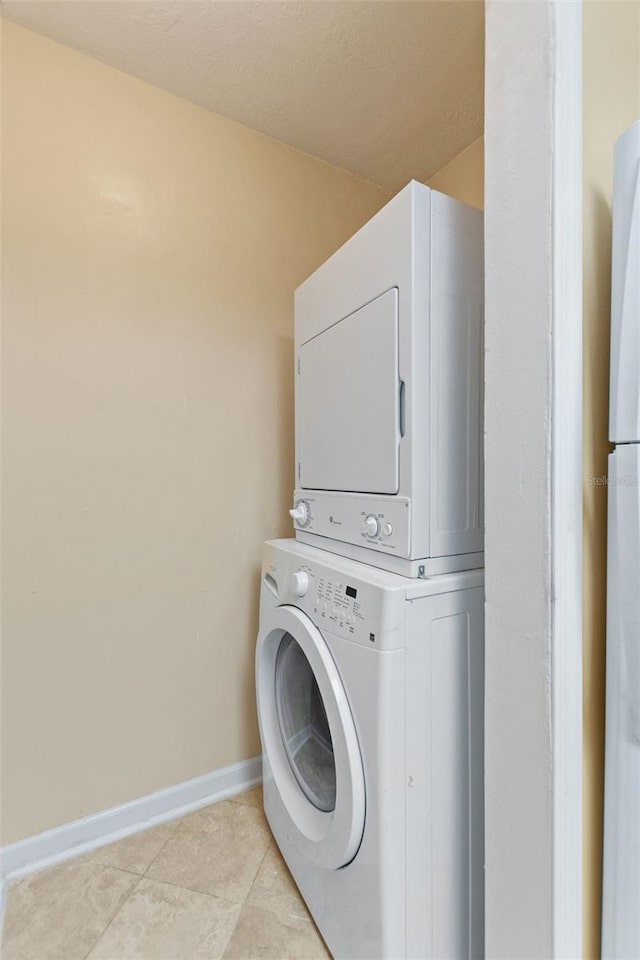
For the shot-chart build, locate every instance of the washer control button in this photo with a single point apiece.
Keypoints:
(371, 526)
(299, 583)
(387, 529)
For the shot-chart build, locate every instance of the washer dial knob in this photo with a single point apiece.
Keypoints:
(299, 583)
(300, 513)
(371, 526)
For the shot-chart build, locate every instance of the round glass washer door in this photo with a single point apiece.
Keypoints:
(304, 725)
(309, 737)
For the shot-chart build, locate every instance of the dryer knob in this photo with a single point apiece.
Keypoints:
(299, 583)
(300, 513)
(371, 526)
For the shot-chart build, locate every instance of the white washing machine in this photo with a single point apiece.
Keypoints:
(370, 702)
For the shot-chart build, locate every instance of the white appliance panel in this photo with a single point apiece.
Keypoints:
(621, 855)
(389, 560)
(445, 666)
(457, 267)
(331, 514)
(621, 873)
(349, 402)
(368, 431)
(412, 676)
(624, 423)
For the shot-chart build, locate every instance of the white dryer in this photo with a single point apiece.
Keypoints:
(370, 703)
(389, 345)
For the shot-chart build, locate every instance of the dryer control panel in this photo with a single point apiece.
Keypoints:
(380, 523)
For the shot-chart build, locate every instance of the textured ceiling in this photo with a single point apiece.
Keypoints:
(389, 90)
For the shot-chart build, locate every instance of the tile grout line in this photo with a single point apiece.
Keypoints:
(94, 863)
(248, 894)
(217, 896)
(246, 899)
(308, 919)
(253, 882)
(214, 896)
(200, 893)
(232, 931)
(8, 883)
(126, 899)
(177, 823)
(170, 837)
(87, 857)
(203, 893)
(179, 886)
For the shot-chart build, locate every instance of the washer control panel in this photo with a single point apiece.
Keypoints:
(338, 602)
(337, 605)
(378, 522)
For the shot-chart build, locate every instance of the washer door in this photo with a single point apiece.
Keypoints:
(309, 738)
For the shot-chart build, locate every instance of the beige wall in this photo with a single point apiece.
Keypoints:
(611, 103)
(463, 177)
(151, 250)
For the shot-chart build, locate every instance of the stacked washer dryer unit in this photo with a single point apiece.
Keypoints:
(369, 663)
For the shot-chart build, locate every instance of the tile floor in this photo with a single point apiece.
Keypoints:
(211, 885)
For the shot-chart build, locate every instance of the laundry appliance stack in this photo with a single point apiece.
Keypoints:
(370, 655)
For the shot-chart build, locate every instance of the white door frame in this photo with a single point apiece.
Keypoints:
(533, 464)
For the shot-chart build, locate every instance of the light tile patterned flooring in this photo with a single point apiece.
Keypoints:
(211, 885)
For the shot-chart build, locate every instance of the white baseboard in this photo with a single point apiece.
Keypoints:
(81, 836)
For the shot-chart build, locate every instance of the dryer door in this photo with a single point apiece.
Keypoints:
(309, 738)
(350, 402)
